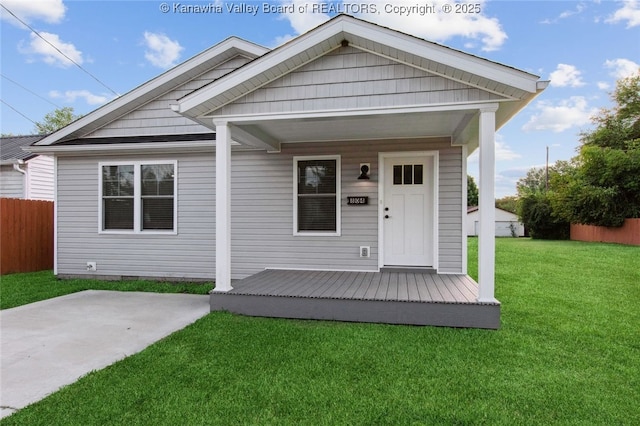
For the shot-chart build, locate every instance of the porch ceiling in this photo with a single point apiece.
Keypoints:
(360, 127)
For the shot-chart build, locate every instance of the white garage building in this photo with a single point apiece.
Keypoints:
(507, 224)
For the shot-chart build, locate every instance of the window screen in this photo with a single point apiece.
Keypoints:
(317, 195)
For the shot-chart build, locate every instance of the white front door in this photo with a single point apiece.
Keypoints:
(408, 210)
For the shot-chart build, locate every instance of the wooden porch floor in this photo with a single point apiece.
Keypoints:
(384, 297)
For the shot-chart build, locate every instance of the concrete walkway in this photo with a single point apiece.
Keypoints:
(52, 343)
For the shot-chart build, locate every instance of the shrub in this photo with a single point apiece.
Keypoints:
(536, 214)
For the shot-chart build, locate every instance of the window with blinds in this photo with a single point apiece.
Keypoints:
(317, 195)
(138, 197)
(157, 196)
(117, 197)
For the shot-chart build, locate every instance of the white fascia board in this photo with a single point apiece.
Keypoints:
(121, 102)
(128, 148)
(345, 26)
(444, 55)
(253, 118)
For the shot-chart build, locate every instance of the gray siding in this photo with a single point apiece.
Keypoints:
(40, 180)
(190, 254)
(11, 182)
(451, 220)
(157, 118)
(351, 78)
(262, 215)
(262, 208)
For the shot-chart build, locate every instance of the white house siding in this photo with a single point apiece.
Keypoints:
(262, 208)
(11, 182)
(157, 118)
(40, 178)
(351, 78)
(190, 254)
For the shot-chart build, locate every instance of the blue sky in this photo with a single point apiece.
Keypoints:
(582, 47)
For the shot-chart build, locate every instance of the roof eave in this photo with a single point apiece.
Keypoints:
(327, 37)
(125, 103)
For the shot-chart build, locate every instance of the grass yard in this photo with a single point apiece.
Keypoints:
(20, 289)
(568, 353)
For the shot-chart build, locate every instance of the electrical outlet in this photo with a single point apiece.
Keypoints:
(365, 251)
(92, 266)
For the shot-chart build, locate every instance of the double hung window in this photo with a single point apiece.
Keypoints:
(317, 195)
(138, 197)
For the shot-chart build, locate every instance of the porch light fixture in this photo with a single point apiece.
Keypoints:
(364, 171)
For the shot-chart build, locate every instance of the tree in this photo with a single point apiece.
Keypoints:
(472, 192)
(534, 206)
(508, 203)
(55, 120)
(603, 185)
(537, 215)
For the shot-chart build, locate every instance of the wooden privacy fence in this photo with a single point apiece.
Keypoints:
(26, 235)
(628, 233)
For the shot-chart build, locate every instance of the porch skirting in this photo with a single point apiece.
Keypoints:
(411, 298)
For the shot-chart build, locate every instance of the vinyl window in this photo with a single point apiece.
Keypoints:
(138, 197)
(317, 196)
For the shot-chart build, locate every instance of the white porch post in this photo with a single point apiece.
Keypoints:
(486, 208)
(223, 206)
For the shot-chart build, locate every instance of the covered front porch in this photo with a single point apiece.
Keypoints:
(409, 110)
(408, 296)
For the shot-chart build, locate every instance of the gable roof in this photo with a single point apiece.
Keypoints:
(150, 90)
(434, 58)
(11, 147)
(475, 209)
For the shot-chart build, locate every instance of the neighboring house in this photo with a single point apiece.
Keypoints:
(344, 149)
(507, 224)
(23, 174)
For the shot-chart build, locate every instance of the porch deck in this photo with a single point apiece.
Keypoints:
(382, 297)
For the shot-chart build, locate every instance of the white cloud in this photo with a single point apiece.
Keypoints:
(568, 113)
(71, 96)
(161, 50)
(622, 68)
(302, 22)
(51, 11)
(503, 151)
(603, 85)
(580, 7)
(38, 47)
(411, 18)
(566, 75)
(629, 13)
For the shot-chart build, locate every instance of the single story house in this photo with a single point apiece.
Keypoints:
(22, 173)
(507, 223)
(325, 178)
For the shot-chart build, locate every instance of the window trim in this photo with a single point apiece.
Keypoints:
(137, 199)
(335, 233)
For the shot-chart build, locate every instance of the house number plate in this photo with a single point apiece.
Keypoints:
(357, 201)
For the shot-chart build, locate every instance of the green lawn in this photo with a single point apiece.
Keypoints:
(20, 289)
(568, 352)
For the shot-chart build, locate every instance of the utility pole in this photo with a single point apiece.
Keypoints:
(546, 186)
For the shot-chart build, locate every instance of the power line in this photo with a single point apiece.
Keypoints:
(59, 51)
(18, 112)
(30, 91)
